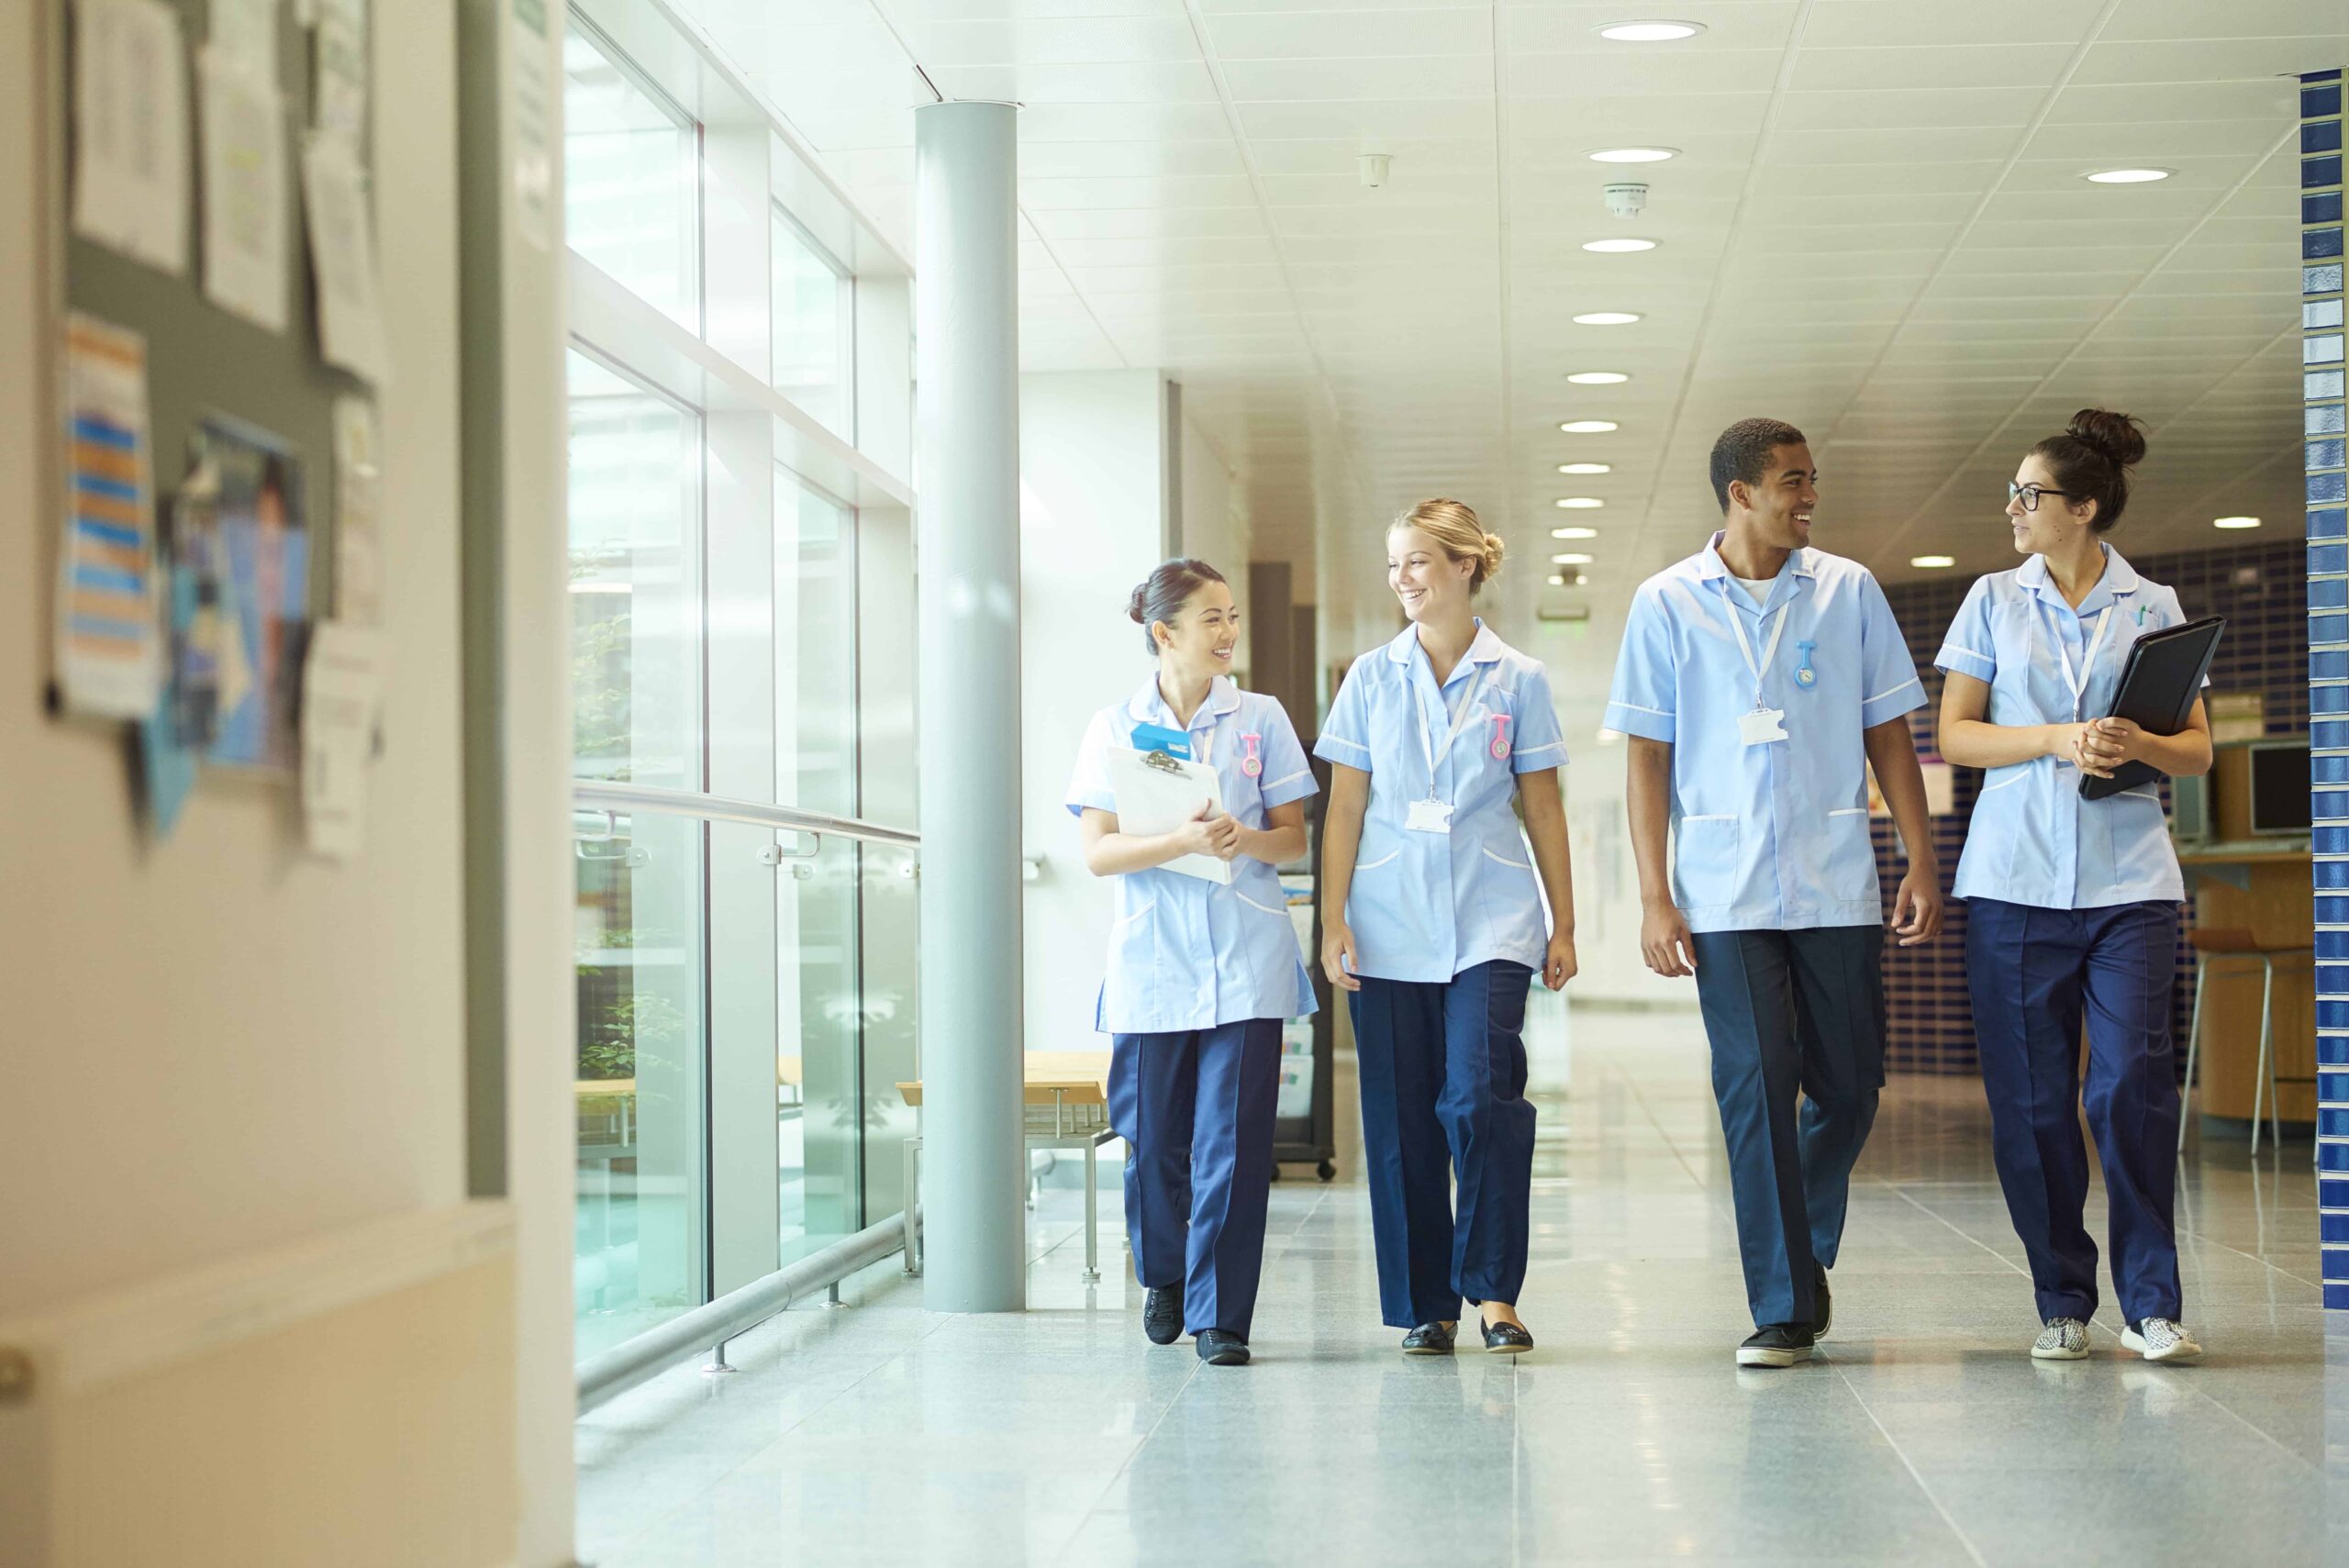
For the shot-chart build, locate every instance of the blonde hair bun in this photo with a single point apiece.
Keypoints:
(1456, 531)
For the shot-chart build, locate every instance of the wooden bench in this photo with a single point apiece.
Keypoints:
(1056, 1113)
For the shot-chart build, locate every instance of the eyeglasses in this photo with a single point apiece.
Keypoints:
(2029, 495)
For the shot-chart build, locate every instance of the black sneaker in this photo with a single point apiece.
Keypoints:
(1428, 1340)
(1161, 1315)
(1822, 1303)
(1777, 1344)
(1221, 1347)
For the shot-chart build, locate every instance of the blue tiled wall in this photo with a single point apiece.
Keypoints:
(2328, 568)
(2261, 589)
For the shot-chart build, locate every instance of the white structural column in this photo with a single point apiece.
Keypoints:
(966, 415)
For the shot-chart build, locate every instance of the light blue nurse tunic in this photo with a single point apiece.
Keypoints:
(2034, 840)
(1425, 906)
(1186, 953)
(1770, 836)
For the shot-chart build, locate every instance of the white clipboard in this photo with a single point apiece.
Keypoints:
(1158, 794)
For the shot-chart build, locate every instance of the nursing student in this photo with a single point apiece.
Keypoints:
(1432, 924)
(1200, 973)
(1759, 680)
(2072, 904)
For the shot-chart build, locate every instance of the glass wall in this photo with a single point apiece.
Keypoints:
(736, 1074)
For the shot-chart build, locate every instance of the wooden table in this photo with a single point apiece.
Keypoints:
(2261, 886)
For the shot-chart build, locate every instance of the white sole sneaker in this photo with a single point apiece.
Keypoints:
(2186, 1352)
(1764, 1355)
(2058, 1354)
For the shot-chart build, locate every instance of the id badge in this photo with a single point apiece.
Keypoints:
(1762, 726)
(1429, 816)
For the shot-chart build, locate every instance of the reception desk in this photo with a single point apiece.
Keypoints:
(2260, 885)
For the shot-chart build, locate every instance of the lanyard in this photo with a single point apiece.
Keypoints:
(2079, 681)
(1459, 722)
(1737, 624)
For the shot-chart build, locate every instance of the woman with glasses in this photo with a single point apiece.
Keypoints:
(2071, 903)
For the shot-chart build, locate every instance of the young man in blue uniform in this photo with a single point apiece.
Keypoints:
(1758, 682)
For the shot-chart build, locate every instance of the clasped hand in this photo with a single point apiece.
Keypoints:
(2101, 745)
(1204, 834)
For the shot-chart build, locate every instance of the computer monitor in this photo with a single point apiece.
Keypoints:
(2280, 787)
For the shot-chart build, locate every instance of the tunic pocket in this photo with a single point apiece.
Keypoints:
(1849, 875)
(1704, 861)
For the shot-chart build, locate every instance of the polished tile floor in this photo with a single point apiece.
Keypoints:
(880, 1433)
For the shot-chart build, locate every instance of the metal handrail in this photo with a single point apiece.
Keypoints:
(621, 799)
(616, 1371)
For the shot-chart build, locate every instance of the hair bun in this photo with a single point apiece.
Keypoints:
(1494, 551)
(1138, 604)
(2116, 436)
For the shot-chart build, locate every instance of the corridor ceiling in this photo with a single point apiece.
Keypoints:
(1875, 225)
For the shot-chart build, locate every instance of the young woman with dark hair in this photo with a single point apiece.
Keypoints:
(2071, 903)
(1200, 973)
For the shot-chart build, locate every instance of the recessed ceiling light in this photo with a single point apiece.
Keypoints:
(1581, 578)
(1570, 559)
(1933, 561)
(1579, 503)
(1617, 247)
(1607, 318)
(1599, 378)
(2128, 176)
(1586, 468)
(1633, 155)
(1588, 426)
(1650, 32)
(2234, 522)
(1556, 581)
(1574, 533)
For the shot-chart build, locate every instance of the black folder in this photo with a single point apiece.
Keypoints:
(2158, 688)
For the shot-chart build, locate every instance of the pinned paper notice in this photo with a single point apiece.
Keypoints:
(342, 96)
(357, 512)
(341, 691)
(342, 257)
(130, 132)
(244, 191)
(109, 639)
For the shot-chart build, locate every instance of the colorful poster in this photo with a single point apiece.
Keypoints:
(261, 580)
(109, 662)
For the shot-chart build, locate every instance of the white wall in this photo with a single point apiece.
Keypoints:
(216, 1043)
(1092, 494)
(1214, 527)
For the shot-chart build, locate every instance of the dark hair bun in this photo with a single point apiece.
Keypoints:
(2116, 436)
(1138, 605)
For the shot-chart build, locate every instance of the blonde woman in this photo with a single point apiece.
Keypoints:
(1434, 925)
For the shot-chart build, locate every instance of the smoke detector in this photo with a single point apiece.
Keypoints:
(1374, 168)
(1627, 199)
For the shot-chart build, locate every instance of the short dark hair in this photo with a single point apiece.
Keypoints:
(2091, 460)
(1742, 452)
(1162, 595)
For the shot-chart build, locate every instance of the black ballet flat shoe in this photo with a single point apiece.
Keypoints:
(1505, 1339)
(1161, 1315)
(1221, 1347)
(1428, 1340)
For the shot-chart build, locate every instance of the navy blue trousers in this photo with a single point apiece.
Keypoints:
(1196, 1110)
(1796, 1023)
(2032, 972)
(1443, 1095)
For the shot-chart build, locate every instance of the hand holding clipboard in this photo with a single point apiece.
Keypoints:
(2159, 686)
